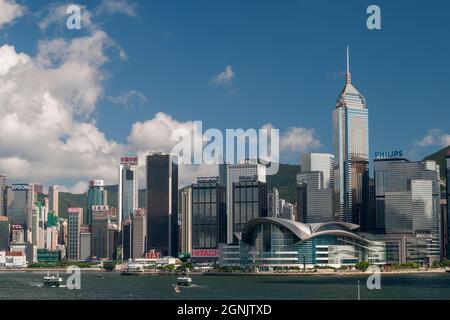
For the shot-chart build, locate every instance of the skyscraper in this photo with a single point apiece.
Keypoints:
(209, 222)
(351, 145)
(20, 200)
(162, 203)
(2, 195)
(447, 162)
(4, 233)
(99, 233)
(273, 200)
(139, 233)
(186, 219)
(128, 188)
(96, 196)
(74, 230)
(323, 162)
(247, 169)
(249, 202)
(85, 242)
(53, 198)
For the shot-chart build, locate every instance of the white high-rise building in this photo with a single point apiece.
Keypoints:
(351, 146)
(235, 173)
(323, 162)
(128, 188)
(53, 199)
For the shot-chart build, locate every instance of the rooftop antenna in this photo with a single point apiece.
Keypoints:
(348, 75)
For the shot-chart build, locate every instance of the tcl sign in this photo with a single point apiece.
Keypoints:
(205, 253)
(16, 227)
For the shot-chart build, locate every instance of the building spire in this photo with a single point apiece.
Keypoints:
(348, 74)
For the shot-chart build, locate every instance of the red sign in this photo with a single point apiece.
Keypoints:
(74, 210)
(131, 161)
(205, 253)
(13, 254)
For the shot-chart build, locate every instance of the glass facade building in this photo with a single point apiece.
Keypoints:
(351, 145)
(96, 196)
(233, 174)
(209, 223)
(447, 162)
(4, 233)
(269, 242)
(162, 203)
(128, 188)
(249, 202)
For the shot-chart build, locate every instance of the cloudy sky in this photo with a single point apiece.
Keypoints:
(73, 101)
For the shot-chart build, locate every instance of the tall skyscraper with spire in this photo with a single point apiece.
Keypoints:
(351, 145)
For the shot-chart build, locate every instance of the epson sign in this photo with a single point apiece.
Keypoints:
(20, 187)
(393, 154)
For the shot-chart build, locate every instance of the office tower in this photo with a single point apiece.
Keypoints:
(63, 238)
(99, 232)
(17, 234)
(4, 233)
(323, 162)
(112, 242)
(186, 219)
(96, 196)
(407, 201)
(85, 242)
(223, 167)
(2, 195)
(351, 145)
(314, 200)
(20, 199)
(38, 188)
(447, 162)
(128, 188)
(247, 169)
(162, 203)
(74, 226)
(53, 199)
(139, 233)
(274, 203)
(287, 211)
(209, 223)
(51, 238)
(127, 239)
(249, 202)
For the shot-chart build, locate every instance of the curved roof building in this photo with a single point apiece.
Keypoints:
(280, 242)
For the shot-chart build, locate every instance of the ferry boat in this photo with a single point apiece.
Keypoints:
(184, 281)
(132, 271)
(53, 281)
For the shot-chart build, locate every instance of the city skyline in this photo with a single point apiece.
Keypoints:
(106, 113)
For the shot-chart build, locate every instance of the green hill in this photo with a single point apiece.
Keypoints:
(439, 157)
(285, 181)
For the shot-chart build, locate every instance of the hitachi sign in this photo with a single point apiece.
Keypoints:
(393, 154)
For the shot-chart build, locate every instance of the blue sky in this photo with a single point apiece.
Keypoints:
(288, 59)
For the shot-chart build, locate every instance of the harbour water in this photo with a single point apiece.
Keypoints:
(112, 286)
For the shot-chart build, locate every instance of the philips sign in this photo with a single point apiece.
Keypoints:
(393, 154)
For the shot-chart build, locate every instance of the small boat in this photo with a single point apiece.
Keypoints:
(447, 269)
(53, 281)
(184, 281)
(177, 289)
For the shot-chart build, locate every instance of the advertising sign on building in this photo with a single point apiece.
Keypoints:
(129, 161)
(205, 253)
(74, 210)
(97, 183)
(100, 208)
(20, 187)
(392, 154)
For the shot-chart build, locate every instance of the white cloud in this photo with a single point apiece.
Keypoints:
(56, 14)
(225, 78)
(129, 98)
(435, 137)
(297, 139)
(118, 7)
(9, 11)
